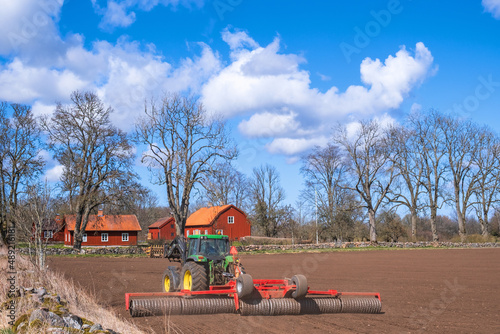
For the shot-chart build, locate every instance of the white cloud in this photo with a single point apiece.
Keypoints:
(492, 6)
(263, 79)
(292, 146)
(384, 121)
(324, 77)
(415, 107)
(27, 23)
(40, 108)
(116, 15)
(54, 174)
(24, 83)
(268, 125)
(238, 39)
(124, 74)
(120, 13)
(267, 85)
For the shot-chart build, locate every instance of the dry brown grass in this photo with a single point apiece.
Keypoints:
(79, 301)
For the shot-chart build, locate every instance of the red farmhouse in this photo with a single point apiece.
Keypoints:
(104, 230)
(227, 220)
(163, 228)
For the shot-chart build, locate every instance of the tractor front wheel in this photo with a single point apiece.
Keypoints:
(170, 281)
(194, 277)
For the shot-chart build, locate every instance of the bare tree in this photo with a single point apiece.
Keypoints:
(34, 215)
(325, 171)
(267, 199)
(405, 157)
(369, 164)
(225, 185)
(432, 157)
(4, 135)
(20, 160)
(487, 162)
(183, 146)
(241, 192)
(95, 154)
(462, 140)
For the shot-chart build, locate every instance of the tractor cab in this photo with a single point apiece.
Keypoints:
(210, 246)
(206, 260)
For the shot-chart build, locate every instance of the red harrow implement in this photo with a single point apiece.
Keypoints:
(247, 296)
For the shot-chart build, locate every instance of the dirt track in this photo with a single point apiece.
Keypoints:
(428, 291)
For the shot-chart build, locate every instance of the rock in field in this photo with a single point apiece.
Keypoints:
(47, 317)
(73, 321)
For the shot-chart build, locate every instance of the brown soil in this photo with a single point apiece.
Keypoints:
(431, 291)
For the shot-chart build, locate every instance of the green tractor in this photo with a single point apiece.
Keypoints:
(206, 260)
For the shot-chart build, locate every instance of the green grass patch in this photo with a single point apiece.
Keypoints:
(27, 245)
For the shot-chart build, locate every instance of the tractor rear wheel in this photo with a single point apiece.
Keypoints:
(194, 277)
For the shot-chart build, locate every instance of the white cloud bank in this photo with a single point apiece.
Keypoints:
(492, 6)
(276, 93)
(265, 87)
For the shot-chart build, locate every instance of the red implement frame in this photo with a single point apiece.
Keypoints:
(268, 288)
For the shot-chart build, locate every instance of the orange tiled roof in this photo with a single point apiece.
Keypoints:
(161, 222)
(106, 223)
(206, 216)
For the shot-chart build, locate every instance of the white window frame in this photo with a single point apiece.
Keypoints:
(187, 233)
(206, 232)
(230, 219)
(48, 234)
(125, 236)
(84, 237)
(104, 237)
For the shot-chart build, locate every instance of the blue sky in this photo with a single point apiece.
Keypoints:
(281, 73)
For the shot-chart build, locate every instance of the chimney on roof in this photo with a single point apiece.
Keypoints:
(99, 213)
(58, 218)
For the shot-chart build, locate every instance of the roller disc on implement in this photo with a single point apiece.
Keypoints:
(248, 297)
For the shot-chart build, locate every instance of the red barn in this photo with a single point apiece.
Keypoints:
(163, 228)
(226, 219)
(104, 230)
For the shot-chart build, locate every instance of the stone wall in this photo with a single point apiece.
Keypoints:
(263, 248)
(341, 245)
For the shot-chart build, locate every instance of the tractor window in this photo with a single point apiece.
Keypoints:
(193, 246)
(214, 247)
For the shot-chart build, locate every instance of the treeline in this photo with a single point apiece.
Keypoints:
(398, 178)
(356, 187)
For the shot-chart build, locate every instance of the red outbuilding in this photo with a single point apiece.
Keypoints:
(104, 230)
(227, 220)
(163, 228)
(52, 231)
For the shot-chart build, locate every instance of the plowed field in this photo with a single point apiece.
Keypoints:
(428, 291)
